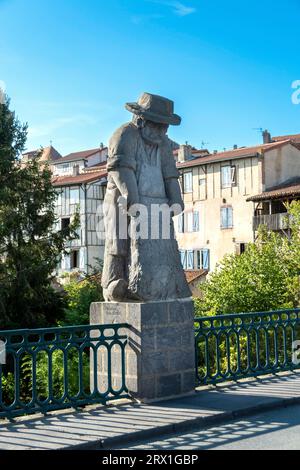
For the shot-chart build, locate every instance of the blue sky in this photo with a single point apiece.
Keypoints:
(69, 66)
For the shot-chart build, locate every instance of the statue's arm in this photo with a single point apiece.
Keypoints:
(121, 163)
(125, 180)
(171, 178)
(174, 194)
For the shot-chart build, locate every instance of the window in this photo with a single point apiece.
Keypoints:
(74, 259)
(65, 223)
(190, 259)
(188, 222)
(65, 167)
(226, 217)
(198, 259)
(202, 259)
(240, 248)
(187, 259)
(188, 182)
(74, 196)
(59, 198)
(196, 221)
(228, 176)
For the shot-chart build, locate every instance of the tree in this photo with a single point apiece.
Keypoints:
(265, 277)
(29, 246)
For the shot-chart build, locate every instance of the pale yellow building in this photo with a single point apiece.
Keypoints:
(218, 219)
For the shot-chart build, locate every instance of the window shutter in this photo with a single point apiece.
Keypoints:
(205, 259)
(223, 217)
(189, 222)
(196, 222)
(183, 258)
(81, 259)
(190, 259)
(233, 173)
(181, 182)
(225, 176)
(188, 182)
(229, 217)
(180, 223)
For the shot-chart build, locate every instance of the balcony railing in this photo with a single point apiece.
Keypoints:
(56, 368)
(235, 346)
(272, 221)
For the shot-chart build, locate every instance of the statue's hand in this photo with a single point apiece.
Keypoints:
(123, 204)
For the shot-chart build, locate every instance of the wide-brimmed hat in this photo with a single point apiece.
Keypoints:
(155, 108)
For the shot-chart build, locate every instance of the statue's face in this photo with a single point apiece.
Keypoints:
(154, 131)
(161, 129)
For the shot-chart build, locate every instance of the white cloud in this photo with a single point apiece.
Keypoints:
(182, 10)
(178, 8)
(46, 129)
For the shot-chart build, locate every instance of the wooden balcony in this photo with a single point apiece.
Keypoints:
(272, 221)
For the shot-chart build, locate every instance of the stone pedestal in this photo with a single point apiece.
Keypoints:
(160, 356)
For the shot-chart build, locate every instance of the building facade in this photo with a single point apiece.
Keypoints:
(83, 194)
(78, 162)
(217, 191)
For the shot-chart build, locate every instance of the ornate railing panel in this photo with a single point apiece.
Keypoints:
(235, 346)
(56, 368)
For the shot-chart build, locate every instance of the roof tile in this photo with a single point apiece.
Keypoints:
(82, 178)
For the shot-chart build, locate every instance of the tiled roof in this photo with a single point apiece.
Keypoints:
(99, 166)
(288, 191)
(191, 276)
(194, 151)
(47, 154)
(232, 154)
(82, 178)
(81, 155)
(294, 137)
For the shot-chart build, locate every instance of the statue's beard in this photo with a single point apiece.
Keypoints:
(152, 136)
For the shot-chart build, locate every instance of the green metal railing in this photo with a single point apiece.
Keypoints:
(56, 368)
(235, 346)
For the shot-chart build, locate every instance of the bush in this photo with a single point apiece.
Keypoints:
(79, 297)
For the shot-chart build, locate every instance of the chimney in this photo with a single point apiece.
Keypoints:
(184, 153)
(101, 146)
(267, 137)
(215, 152)
(75, 170)
(235, 147)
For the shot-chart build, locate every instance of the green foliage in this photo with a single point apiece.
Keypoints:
(42, 376)
(8, 388)
(265, 277)
(29, 247)
(79, 297)
(58, 373)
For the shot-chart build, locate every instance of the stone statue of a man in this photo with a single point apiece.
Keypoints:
(142, 174)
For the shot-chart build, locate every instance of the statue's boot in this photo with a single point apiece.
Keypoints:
(116, 291)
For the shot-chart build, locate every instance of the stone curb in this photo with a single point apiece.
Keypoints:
(187, 425)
